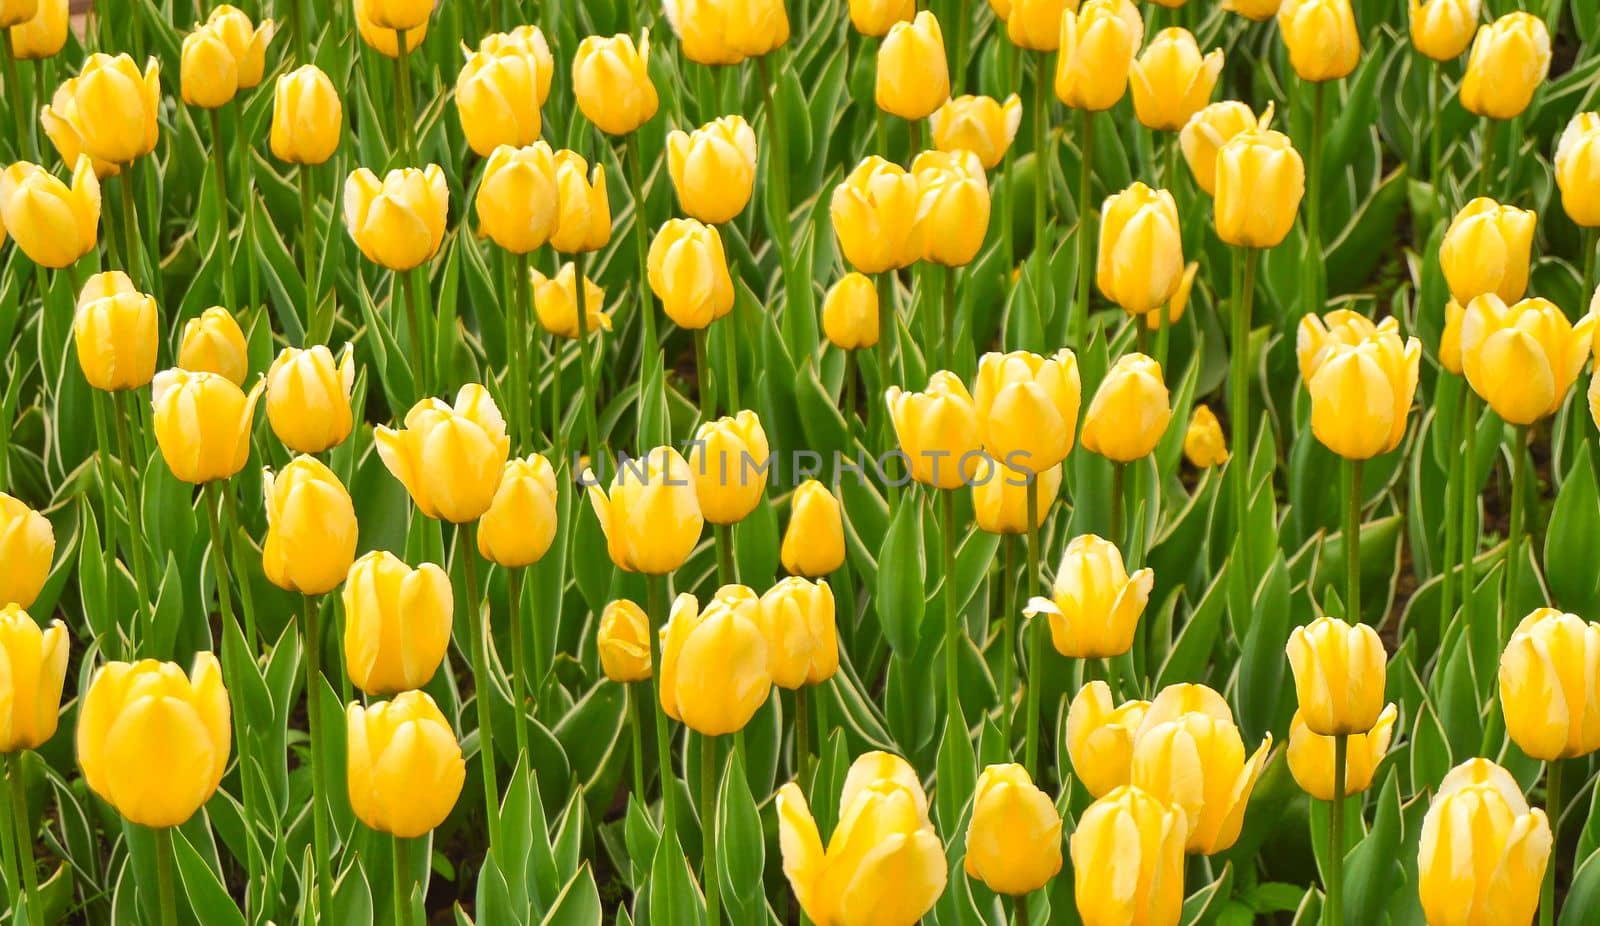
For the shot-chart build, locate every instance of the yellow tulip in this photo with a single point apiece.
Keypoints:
(1027, 407)
(850, 312)
(1036, 24)
(153, 742)
(611, 79)
(397, 623)
(913, 73)
(208, 72)
(713, 168)
(450, 459)
(27, 547)
(979, 124)
(1127, 859)
(624, 642)
(1095, 605)
(1362, 379)
(688, 272)
(715, 663)
(246, 42)
(1130, 411)
(1311, 756)
(307, 117)
(203, 423)
(1442, 29)
(813, 544)
(308, 398)
(797, 617)
(1141, 249)
(1577, 169)
(42, 36)
(213, 343)
(1171, 81)
(1487, 249)
(117, 331)
(1547, 693)
(1000, 497)
(954, 213)
(1483, 851)
(1450, 339)
(1339, 674)
(1523, 358)
(584, 222)
(1098, 43)
(35, 666)
(520, 524)
(1014, 839)
(1204, 444)
(884, 863)
(874, 214)
(1321, 37)
(702, 30)
(311, 528)
(555, 301)
(398, 221)
(518, 201)
(497, 99)
(877, 17)
(107, 112)
(382, 38)
(1510, 59)
(938, 431)
(54, 224)
(1260, 182)
(396, 15)
(1178, 304)
(1208, 130)
(528, 40)
(1100, 737)
(404, 768)
(729, 458)
(651, 517)
(1257, 10)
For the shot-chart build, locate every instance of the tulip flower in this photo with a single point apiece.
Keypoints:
(702, 30)
(1097, 45)
(404, 767)
(813, 543)
(497, 98)
(1127, 860)
(399, 221)
(651, 517)
(1213, 126)
(689, 273)
(729, 460)
(1311, 756)
(715, 669)
(28, 548)
(1171, 80)
(225, 55)
(107, 112)
(398, 14)
(1177, 305)
(371, 23)
(152, 742)
(1141, 249)
(311, 528)
(34, 665)
(520, 524)
(713, 168)
(1510, 59)
(53, 224)
(307, 117)
(214, 343)
(397, 623)
(584, 221)
(953, 216)
(850, 313)
(979, 124)
(624, 642)
(611, 79)
(1577, 169)
(116, 331)
(1339, 675)
(1130, 411)
(1442, 29)
(1523, 358)
(203, 424)
(1203, 443)
(877, 17)
(528, 40)
(1100, 738)
(1321, 37)
(1487, 249)
(874, 214)
(555, 300)
(937, 431)
(1000, 497)
(1362, 380)
(1551, 709)
(797, 618)
(1258, 10)
(43, 35)
(1014, 839)
(450, 459)
(913, 72)
(518, 203)
(1260, 182)
(1027, 407)
(1483, 852)
(308, 397)
(1095, 605)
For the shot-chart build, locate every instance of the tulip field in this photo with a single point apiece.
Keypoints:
(826, 462)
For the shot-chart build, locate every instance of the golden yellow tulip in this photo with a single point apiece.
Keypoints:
(1510, 59)
(1442, 29)
(1178, 304)
(1311, 755)
(1362, 379)
(397, 623)
(404, 768)
(850, 312)
(1014, 839)
(1100, 737)
(1127, 860)
(1487, 249)
(624, 642)
(1027, 407)
(611, 79)
(107, 112)
(497, 99)
(979, 124)
(1450, 339)
(209, 74)
(715, 663)
(1095, 605)
(913, 73)
(1209, 129)
(877, 17)
(53, 224)
(450, 459)
(1321, 37)
(397, 222)
(1523, 359)
(1547, 693)
(874, 214)
(1171, 80)
(518, 201)
(1097, 46)
(688, 272)
(1036, 24)
(246, 42)
(729, 460)
(203, 423)
(382, 38)
(584, 222)
(28, 548)
(651, 517)
(1339, 675)
(938, 431)
(397, 14)
(214, 343)
(311, 528)
(953, 217)
(520, 524)
(702, 29)
(813, 543)
(1130, 411)
(307, 117)
(525, 39)
(713, 168)
(35, 666)
(1577, 169)
(1000, 497)
(116, 331)
(1204, 444)
(798, 619)
(1260, 182)
(1483, 851)
(308, 397)
(555, 301)
(1257, 10)
(43, 34)
(1140, 263)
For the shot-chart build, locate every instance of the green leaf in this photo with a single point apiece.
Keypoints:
(209, 899)
(1372, 868)
(901, 596)
(741, 846)
(578, 904)
(1574, 521)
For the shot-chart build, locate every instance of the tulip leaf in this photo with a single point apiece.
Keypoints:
(1575, 519)
(1204, 905)
(1372, 869)
(1191, 651)
(352, 898)
(209, 899)
(1583, 897)
(741, 846)
(900, 600)
(1259, 698)
(578, 904)
(957, 774)
(674, 896)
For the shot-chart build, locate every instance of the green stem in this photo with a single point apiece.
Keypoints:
(400, 301)
(727, 566)
(702, 369)
(886, 322)
(19, 110)
(778, 177)
(641, 231)
(952, 629)
(949, 332)
(1352, 543)
(1334, 909)
(165, 885)
(802, 737)
(730, 364)
(1239, 401)
(597, 456)
(1311, 262)
(312, 630)
(1118, 515)
(319, 330)
(519, 301)
(636, 736)
(1020, 908)
(24, 832)
(1469, 498)
(247, 203)
(135, 505)
(1011, 65)
(302, 30)
(1552, 809)
(405, 117)
(1515, 528)
(708, 829)
(9, 840)
(108, 530)
(656, 606)
(402, 882)
(219, 167)
(1449, 571)
(958, 54)
(241, 561)
(478, 621)
(1435, 137)
(1008, 636)
(519, 659)
(1041, 155)
(219, 556)
(133, 255)
(1078, 329)
(1036, 631)
(1589, 242)
(1486, 157)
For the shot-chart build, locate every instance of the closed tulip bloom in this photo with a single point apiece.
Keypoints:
(209, 75)
(1321, 37)
(1483, 851)
(884, 864)
(1130, 411)
(850, 312)
(813, 544)
(398, 221)
(1258, 10)
(449, 458)
(246, 42)
(757, 27)
(713, 168)
(1547, 685)
(203, 423)
(611, 79)
(1260, 182)
(1523, 358)
(308, 397)
(1100, 737)
(1098, 43)
(651, 517)
(42, 36)
(383, 39)
(877, 17)
(1127, 859)
(1487, 249)
(874, 214)
(1204, 444)
(311, 528)
(53, 224)
(27, 547)
(1179, 303)
(715, 663)
(59, 121)
(397, 623)
(525, 39)
(520, 524)
(404, 768)
(913, 74)
(688, 272)
(1208, 130)
(13, 12)
(396, 14)
(797, 617)
(1578, 169)
(1339, 675)
(307, 117)
(1510, 60)
(1362, 381)
(153, 742)
(107, 112)
(116, 331)
(1027, 407)
(584, 222)
(518, 201)
(1140, 263)
(1014, 839)
(1442, 29)
(729, 458)
(1450, 339)
(953, 216)
(1036, 24)
(1094, 606)
(1311, 756)
(624, 642)
(1171, 80)
(1000, 497)
(555, 301)
(34, 665)
(979, 124)
(497, 99)
(937, 431)
(703, 31)
(214, 343)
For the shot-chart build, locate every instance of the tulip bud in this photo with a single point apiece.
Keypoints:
(1035, 24)
(1100, 737)
(850, 313)
(1551, 706)
(384, 39)
(1027, 407)
(797, 618)
(311, 528)
(398, 221)
(520, 524)
(449, 459)
(1487, 250)
(1483, 852)
(689, 273)
(203, 424)
(152, 742)
(1014, 839)
(953, 215)
(624, 642)
(1450, 339)
(116, 332)
(877, 17)
(1523, 359)
(213, 343)
(1171, 81)
(1442, 29)
(497, 99)
(308, 398)
(307, 117)
(35, 666)
(1258, 10)
(28, 548)
(883, 856)
(1339, 674)
(397, 623)
(245, 41)
(1510, 59)
(1208, 130)
(404, 767)
(1130, 411)
(107, 112)
(396, 15)
(555, 301)
(1000, 497)
(729, 459)
(1362, 379)
(651, 517)
(938, 432)
(715, 663)
(813, 544)
(1178, 304)
(1141, 249)
(1311, 756)
(874, 214)
(43, 35)
(1127, 859)
(1204, 444)
(1260, 182)
(584, 222)
(1321, 37)
(713, 168)
(1095, 605)
(1577, 169)
(1098, 43)
(53, 224)
(527, 40)
(979, 124)
(611, 79)
(518, 202)
(702, 30)
(913, 73)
